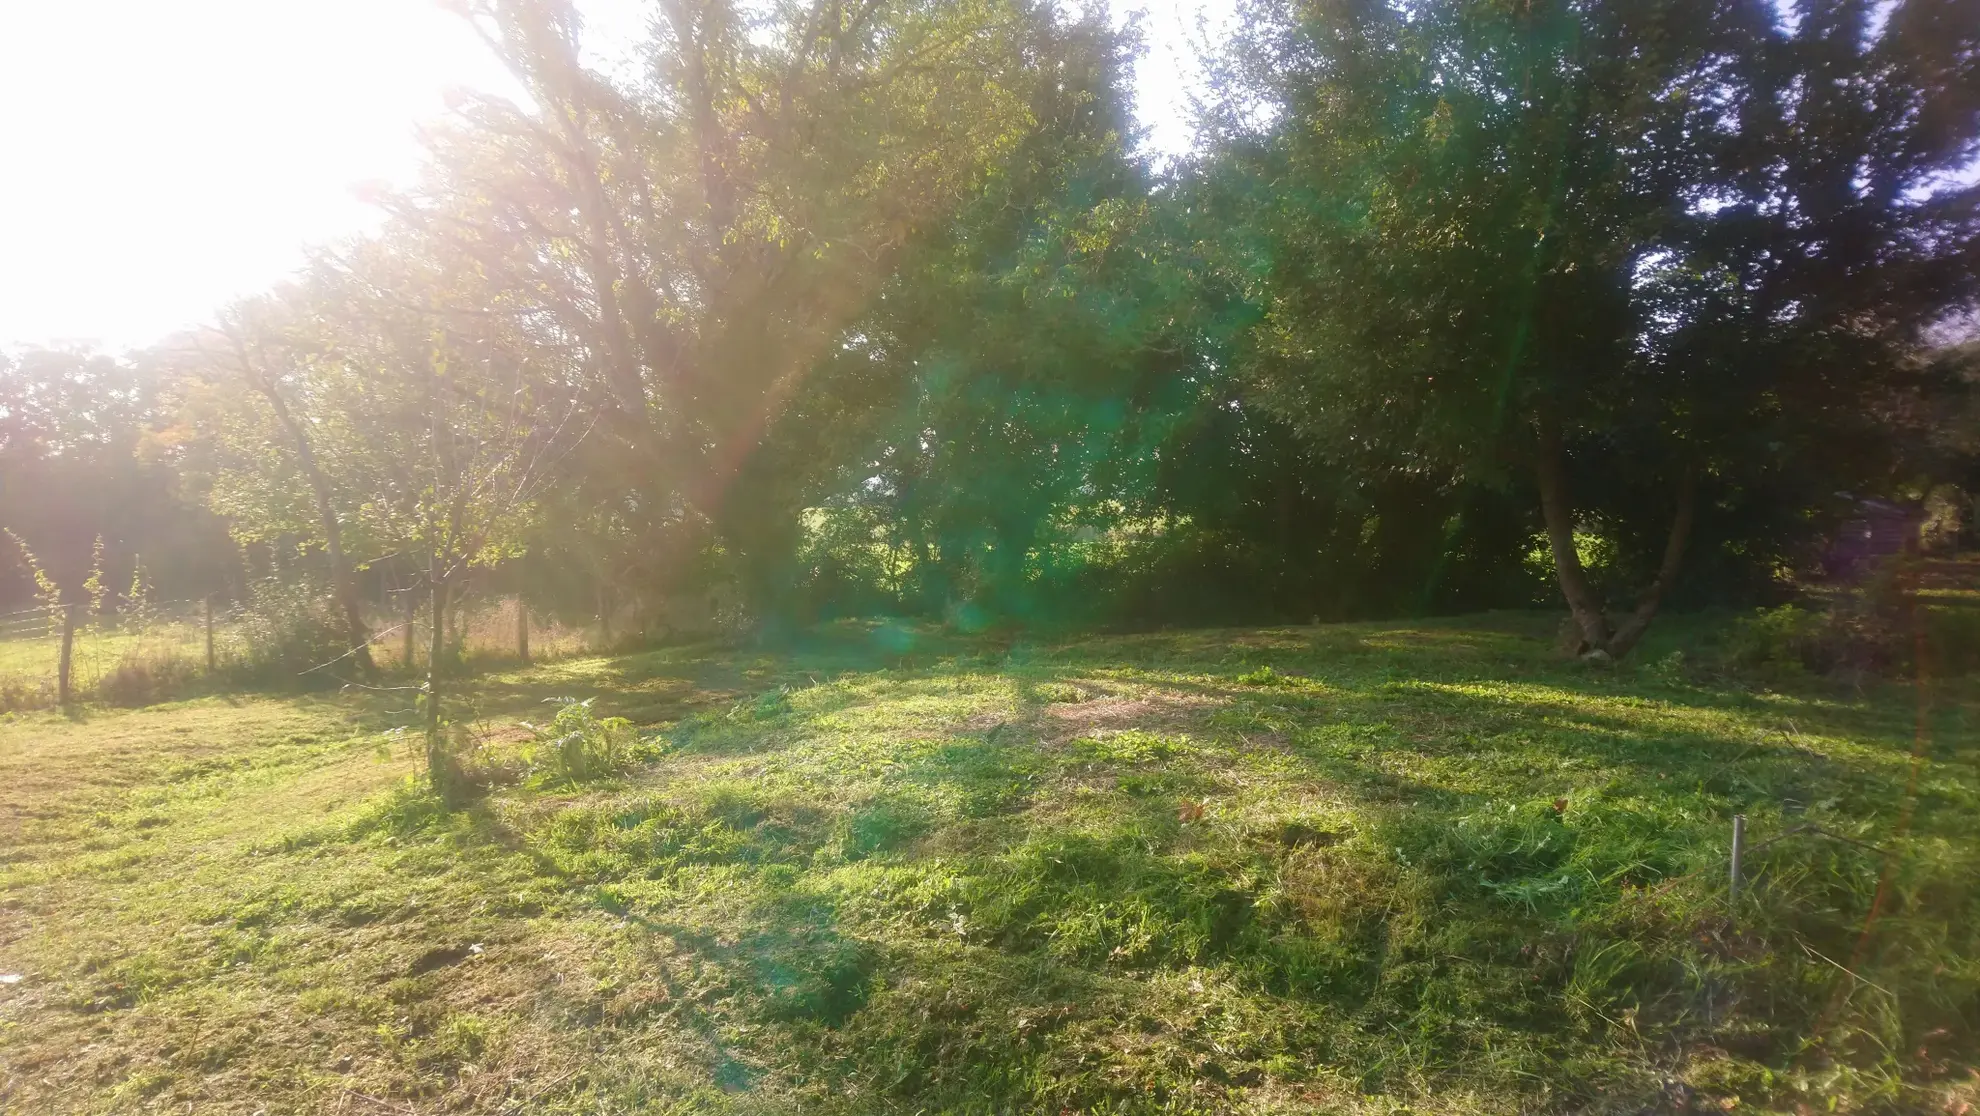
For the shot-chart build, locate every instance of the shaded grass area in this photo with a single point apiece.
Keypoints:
(1357, 868)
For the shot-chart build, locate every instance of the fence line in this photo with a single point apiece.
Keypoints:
(50, 654)
(187, 639)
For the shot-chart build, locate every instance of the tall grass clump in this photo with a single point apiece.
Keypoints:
(150, 673)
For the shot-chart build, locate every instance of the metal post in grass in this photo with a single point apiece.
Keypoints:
(63, 670)
(209, 633)
(1738, 850)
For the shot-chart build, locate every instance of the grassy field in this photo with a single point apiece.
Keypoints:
(1359, 868)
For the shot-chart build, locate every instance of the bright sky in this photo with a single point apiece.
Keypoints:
(163, 158)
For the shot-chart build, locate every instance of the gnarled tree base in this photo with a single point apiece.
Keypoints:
(1588, 634)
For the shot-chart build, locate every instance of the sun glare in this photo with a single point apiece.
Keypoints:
(163, 159)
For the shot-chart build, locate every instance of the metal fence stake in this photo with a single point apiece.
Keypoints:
(1738, 850)
(63, 671)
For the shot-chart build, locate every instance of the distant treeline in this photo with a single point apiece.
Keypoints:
(871, 308)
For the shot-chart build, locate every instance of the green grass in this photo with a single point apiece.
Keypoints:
(1359, 868)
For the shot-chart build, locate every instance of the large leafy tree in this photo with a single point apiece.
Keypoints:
(990, 401)
(698, 232)
(1626, 253)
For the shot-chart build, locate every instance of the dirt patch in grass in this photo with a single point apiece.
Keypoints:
(1150, 712)
(1083, 708)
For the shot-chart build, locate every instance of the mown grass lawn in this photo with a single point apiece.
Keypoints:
(1359, 868)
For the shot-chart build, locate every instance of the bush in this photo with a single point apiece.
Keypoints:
(578, 746)
(1953, 633)
(287, 634)
(1789, 638)
(1876, 628)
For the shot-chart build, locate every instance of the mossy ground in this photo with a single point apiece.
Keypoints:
(1358, 868)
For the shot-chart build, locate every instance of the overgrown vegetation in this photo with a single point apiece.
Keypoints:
(1360, 868)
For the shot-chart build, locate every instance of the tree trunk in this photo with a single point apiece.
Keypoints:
(64, 668)
(1555, 508)
(1591, 624)
(409, 652)
(1287, 492)
(522, 628)
(345, 587)
(437, 771)
(1632, 630)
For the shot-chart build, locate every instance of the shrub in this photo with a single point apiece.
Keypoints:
(1877, 628)
(1788, 638)
(578, 746)
(1954, 637)
(287, 634)
(25, 693)
(1670, 668)
(1863, 631)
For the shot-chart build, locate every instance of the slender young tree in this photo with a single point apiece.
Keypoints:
(403, 404)
(467, 418)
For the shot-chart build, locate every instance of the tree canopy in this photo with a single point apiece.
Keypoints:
(874, 308)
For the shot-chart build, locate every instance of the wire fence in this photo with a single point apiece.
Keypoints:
(54, 655)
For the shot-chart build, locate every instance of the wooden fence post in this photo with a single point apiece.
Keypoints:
(522, 628)
(209, 634)
(63, 672)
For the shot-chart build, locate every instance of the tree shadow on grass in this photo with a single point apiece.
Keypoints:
(1439, 924)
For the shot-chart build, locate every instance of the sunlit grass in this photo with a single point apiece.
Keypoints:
(1350, 868)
